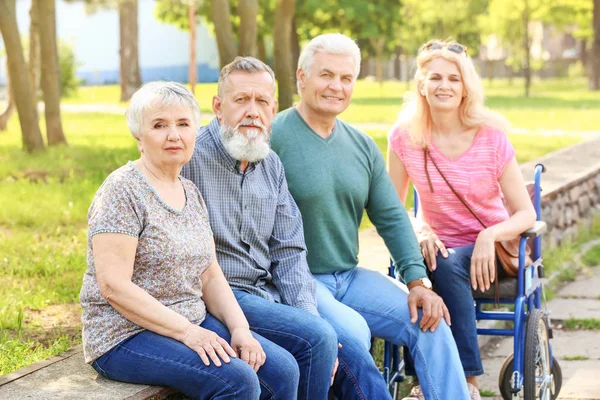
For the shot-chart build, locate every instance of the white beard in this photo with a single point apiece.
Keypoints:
(252, 146)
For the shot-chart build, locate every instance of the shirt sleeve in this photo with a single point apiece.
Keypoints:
(114, 210)
(505, 152)
(396, 141)
(291, 274)
(391, 220)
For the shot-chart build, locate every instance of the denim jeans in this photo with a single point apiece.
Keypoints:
(152, 359)
(309, 338)
(382, 303)
(452, 281)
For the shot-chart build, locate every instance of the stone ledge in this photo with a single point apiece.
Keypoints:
(66, 376)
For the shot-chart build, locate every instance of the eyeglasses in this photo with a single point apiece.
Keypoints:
(453, 47)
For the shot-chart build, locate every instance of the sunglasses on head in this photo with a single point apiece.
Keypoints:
(453, 47)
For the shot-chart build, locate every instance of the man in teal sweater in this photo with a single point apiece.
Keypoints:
(335, 172)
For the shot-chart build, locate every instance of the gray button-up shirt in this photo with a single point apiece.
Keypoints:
(256, 224)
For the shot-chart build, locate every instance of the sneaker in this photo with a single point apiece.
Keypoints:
(416, 394)
(473, 391)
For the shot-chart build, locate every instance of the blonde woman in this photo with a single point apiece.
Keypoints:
(447, 143)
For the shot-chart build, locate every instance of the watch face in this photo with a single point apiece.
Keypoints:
(427, 283)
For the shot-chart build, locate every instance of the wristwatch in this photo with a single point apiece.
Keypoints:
(425, 282)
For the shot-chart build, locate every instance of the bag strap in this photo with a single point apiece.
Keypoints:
(458, 196)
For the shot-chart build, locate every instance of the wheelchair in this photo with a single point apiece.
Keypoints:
(531, 372)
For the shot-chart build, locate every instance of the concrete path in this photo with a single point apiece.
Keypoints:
(581, 378)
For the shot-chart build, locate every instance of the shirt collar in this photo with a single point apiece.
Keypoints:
(214, 128)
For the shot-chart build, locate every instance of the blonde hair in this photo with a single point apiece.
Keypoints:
(415, 116)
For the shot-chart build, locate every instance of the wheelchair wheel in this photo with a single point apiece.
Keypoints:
(506, 374)
(537, 377)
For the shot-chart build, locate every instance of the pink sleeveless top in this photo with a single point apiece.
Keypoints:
(475, 175)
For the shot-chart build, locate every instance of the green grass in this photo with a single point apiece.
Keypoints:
(487, 393)
(554, 105)
(45, 198)
(576, 358)
(592, 256)
(582, 323)
(18, 353)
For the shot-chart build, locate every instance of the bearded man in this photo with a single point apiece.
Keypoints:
(256, 224)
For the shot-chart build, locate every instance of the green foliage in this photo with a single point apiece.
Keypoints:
(69, 83)
(582, 323)
(576, 358)
(592, 257)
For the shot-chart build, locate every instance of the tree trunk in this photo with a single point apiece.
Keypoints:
(21, 86)
(295, 52)
(193, 69)
(282, 49)
(50, 72)
(262, 49)
(594, 80)
(34, 47)
(248, 12)
(223, 31)
(129, 72)
(378, 44)
(398, 63)
(526, 48)
(10, 106)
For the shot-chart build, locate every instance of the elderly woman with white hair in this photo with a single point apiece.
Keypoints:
(156, 307)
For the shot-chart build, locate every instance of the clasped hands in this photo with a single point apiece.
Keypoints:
(212, 347)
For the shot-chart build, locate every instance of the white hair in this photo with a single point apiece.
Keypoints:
(329, 43)
(158, 94)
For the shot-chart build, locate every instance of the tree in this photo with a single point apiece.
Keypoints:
(282, 48)
(50, 72)
(595, 59)
(34, 47)
(192, 70)
(21, 86)
(10, 107)
(248, 12)
(510, 21)
(221, 18)
(129, 71)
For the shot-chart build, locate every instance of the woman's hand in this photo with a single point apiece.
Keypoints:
(208, 345)
(483, 261)
(430, 245)
(248, 348)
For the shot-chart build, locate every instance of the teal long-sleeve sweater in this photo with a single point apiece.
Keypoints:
(333, 181)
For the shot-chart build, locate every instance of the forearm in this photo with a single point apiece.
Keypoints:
(518, 223)
(141, 308)
(220, 301)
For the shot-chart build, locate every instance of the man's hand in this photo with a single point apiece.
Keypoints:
(433, 308)
(248, 348)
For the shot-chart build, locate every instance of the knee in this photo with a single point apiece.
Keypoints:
(244, 382)
(284, 375)
(323, 338)
(358, 329)
(450, 270)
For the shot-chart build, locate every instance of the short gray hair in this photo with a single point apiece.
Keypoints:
(158, 94)
(250, 65)
(329, 43)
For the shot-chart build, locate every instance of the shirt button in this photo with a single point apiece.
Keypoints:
(246, 206)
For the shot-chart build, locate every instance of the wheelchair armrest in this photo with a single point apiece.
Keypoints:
(539, 228)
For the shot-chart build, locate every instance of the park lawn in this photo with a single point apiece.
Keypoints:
(554, 105)
(45, 198)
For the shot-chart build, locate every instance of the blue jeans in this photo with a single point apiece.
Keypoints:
(452, 281)
(152, 359)
(382, 305)
(309, 338)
